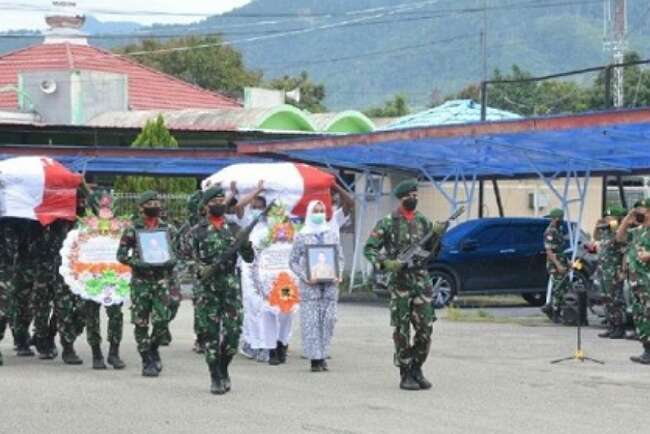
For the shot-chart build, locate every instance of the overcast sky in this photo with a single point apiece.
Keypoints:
(34, 19)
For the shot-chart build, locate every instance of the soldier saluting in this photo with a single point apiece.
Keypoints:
(411, 289)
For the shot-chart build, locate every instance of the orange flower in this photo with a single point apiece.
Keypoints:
(285, 293)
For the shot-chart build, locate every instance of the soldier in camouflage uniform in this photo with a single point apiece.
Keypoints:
(51, 294)
(219, 304)
(184, 248)
(610, 272)
(411, 289)
(149, 286)
(8, 247)
(639, 268)
(27, 258)
(557, 265)
(629, 241)
(114, 313)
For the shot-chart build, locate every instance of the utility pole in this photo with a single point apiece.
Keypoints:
(484, 74)
(615, 42)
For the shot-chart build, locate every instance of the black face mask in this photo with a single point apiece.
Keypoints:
(410, 203)
(152, 212)
(217, 210)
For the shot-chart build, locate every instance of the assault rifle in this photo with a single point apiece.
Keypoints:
(241, 238)
(415, 254)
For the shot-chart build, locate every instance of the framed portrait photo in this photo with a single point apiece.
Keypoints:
(154, 247)
(322, 263)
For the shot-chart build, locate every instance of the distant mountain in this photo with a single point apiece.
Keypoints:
(365, 51)
(94, 27)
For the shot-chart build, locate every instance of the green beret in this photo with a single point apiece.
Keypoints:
(616, 211)
(645, 203)
(638, 204)
(405, 187)
(556, 213)
(213, 192)
(147, 196)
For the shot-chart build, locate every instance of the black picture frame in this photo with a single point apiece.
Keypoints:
(148, 242)
(327, 271)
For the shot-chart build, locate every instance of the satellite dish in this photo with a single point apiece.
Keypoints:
(48, 87)
(294, 94)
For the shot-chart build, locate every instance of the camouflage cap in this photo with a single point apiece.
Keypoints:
(147, 196)
(556, 213)
(405, 187)
(213, 192)
(616, 211)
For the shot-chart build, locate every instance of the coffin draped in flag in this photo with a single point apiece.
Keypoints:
(294, 185)
(38, 188)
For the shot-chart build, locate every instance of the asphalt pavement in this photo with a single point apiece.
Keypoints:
(489, 377)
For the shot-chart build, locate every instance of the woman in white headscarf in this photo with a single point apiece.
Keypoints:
(317, 300)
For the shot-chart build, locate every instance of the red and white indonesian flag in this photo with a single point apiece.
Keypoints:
(292, 184)
(38, 188)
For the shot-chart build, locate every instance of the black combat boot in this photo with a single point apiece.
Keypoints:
(274, 359)
(155, 354)
(281, 351)
(315, 366)
(148, 365)
(217, 387)
(46, 349)
(644, 358)
(418, 376)
(617, 333)
(607, 333)
(225, 362)
(1, 361)
(556, 316)
(98, 357)
(114, 357)
(22, 347)
(69, 355)
(547, 310)
(407, 381)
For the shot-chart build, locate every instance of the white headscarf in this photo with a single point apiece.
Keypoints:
(311, 227)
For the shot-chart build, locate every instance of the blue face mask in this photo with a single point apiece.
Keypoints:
(318, 219)
(255, 213)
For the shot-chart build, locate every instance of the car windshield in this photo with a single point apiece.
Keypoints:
(457, 233)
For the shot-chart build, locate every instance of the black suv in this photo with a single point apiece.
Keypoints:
(493, 256)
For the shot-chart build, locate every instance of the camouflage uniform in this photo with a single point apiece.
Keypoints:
(25, 272)
(93, 329)
(610, 262)
(8, 251)
(51, 294)
(554, 241)
(630, 252)
(411, 290)
(149, 290)
(219, 304)
(640, 282)
(184, 250)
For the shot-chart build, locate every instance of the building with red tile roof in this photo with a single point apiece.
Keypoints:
(148, 89)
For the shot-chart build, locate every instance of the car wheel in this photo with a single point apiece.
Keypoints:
(535, 299)
(445, 288)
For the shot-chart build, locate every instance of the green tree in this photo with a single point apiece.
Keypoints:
(209, 65)
(311, 94)
(395, 107)
(154, 135)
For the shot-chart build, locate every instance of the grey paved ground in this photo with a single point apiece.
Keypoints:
(487, 378)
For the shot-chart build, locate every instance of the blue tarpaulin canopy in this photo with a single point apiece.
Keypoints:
(599, 143)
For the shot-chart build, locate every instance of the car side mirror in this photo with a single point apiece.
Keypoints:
(468, 245)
